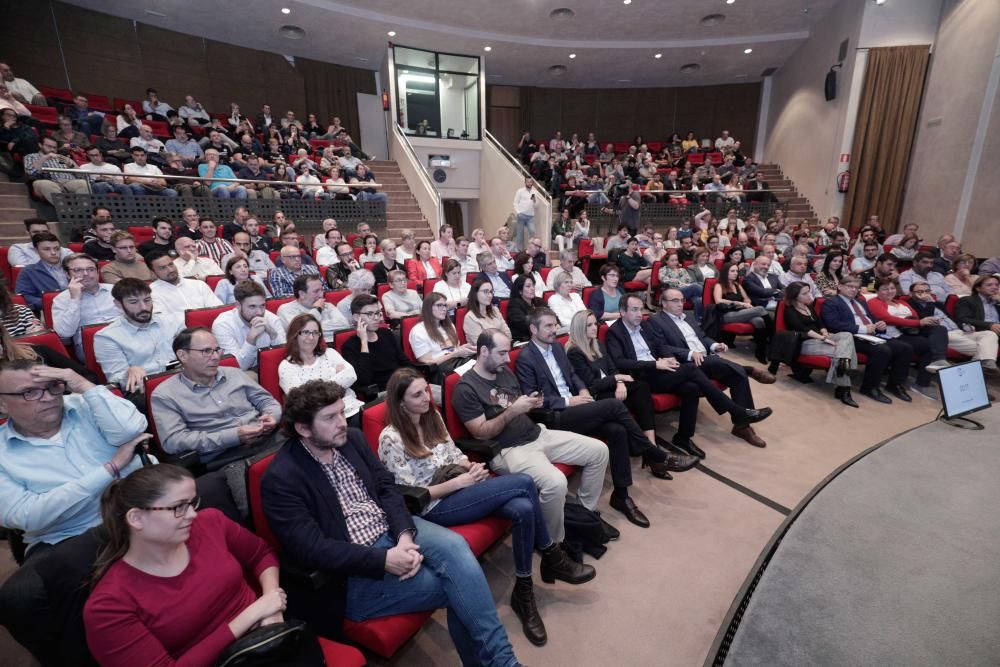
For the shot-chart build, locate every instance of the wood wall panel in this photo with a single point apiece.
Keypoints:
(619, 114)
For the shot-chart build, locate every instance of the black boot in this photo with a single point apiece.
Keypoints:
(522, 601)
(760, 345)
(557, 565)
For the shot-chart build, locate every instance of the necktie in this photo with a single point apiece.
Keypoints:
(860, 313)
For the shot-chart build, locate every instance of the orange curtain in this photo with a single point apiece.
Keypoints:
(883, 138)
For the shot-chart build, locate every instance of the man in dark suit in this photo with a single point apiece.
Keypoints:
(846, 312)
(264, 119)
(637, 348)
(334, 508)
(979, 310)
(684, 338)
(763, 288)
(543, 367)
(502, 285)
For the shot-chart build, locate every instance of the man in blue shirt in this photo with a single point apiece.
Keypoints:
(188, 149)
(212, 167)
(45, 275)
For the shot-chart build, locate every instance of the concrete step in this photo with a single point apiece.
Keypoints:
(7, 188)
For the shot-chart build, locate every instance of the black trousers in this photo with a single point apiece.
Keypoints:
(733, 376)
(931, 344)
(639, 402)
(41, 603)
(893, 355)
(609, 420)
(688, 383)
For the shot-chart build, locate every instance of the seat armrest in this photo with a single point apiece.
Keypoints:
(417, 497)
(549, 418)
(484, 449)
(314, 579)
(367, 393)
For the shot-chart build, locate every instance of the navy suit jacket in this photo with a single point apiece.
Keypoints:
(503, 276)
(623, 352)
(533, 374)
(760, 295)
(33, 281)
(304, 513)
(672, 337)
(838, 316)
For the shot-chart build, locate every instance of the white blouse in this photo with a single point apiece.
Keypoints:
(423, 344)
(411, 471)
(565, 308)
(326, 368)
(453, 293)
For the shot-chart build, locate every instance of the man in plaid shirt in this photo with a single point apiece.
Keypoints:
(333, 507)
(47, 184)
(282, 279)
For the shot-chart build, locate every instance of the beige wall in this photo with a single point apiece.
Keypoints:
(954, 107)
(805, 131)
(496, 201)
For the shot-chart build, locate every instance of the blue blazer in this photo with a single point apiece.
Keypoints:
(623, 352)
(760, 295)
(533, 374)
(33, 281)
(838, 316)
(304, 514)
(503, 276)
(670, 334)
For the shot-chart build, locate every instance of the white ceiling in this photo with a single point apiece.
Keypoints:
(614, 43)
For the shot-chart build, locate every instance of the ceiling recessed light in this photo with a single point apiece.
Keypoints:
(747, 51)
(879, 2)
(624, 81)
(627, 2)
(729, 2)
(487, 48)
(690, 68)
(572, 55)
(561, 14)
(291, 32)
(286, 10)
(391, 33)
(658, 55)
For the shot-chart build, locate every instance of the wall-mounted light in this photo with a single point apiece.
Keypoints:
(391, 33)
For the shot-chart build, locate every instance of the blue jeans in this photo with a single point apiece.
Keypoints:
(104, 187)
(138, 189)
(373, 196)
(693, 293)
(451, 577)
(524, 223)
(239, 192)
(511, 497)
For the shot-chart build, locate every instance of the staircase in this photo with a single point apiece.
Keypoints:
(15, 207)
(403, 212)
(797, 207)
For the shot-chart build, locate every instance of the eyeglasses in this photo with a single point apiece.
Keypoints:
(77, 272)
(179, 510)
(205, 351)
(57, 388)
(673, 300)
(308, 333)
(371, 313)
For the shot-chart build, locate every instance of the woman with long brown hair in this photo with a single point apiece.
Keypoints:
(169, 585)
(416, 448)
(482, 313)
(434, 339)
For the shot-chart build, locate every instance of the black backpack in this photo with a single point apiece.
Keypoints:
(586, 532)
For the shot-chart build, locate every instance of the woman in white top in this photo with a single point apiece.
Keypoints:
(565, 302)
(479, 243)
(307, 357)
(371, 253)
(671, 240)
(524, 265)
(657, 251)
(407, 249)
(702, 269)
(415, 445)
(336, 186)
(128, 119)
(482, 314)
(400, 302)
(434, 340)
(237, 270)
(454, 289)
(309, 185)
(581, 230)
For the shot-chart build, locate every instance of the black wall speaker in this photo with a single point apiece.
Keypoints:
(830, 86)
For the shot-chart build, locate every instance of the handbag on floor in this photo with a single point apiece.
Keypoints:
(289, 644)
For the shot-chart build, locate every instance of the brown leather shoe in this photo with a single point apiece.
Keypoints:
(747, 433)
(761, 375)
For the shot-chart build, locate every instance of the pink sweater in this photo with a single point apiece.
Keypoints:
(133, 618)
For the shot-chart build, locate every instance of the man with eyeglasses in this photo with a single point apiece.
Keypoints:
(282, 279)
(47, 184)
(58, 452)
(375, 351)
(338, 274)
(258, 260)
(126, 263)
(189, 264)
(85, 300)
(980, 345)
(171, 292)
(308, 292)
(248, 327)
(216, 411)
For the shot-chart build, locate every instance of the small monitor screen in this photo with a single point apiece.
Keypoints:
(963, 389)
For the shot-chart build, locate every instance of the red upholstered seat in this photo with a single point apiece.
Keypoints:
(336, 654)
(268, 361)
(428, 285)
(47, 299)
(634, 286)
(103, 103)
(406, 325)
(213, 281)
(48, 338)
(341, 337)
(696, 158)
(44, 115)
(383, 635)
(204, 317)
(460, 314)
(60, 94)
(335, 296)
(736, 328)
(273, 304)
(5, 267)
(87, 334)
(120, 103)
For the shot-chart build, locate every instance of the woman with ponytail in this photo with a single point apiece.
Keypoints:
(169, 586)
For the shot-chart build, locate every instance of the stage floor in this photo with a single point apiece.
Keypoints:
(895, 562)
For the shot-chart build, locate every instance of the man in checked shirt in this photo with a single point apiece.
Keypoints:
(334, 508)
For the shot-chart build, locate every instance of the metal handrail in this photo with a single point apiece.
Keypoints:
(420, 170)
(91, 174)
(517, 163)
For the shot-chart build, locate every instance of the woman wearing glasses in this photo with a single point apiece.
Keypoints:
(400, 301)
(434, 339)
(307, 357)
(482, 313)
(169, 584)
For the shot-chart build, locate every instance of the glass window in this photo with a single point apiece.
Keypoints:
(437, 94)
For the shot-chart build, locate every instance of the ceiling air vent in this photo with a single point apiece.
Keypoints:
(712, 19)
(769, 71)
(557, 70)
(291, 32)
(562, 14)
(690, 68)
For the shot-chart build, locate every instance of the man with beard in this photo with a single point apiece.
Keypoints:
(138, 343)
(171, 293)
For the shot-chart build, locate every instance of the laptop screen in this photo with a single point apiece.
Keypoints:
(963, 389)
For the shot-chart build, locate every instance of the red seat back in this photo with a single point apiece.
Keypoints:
(47, 299)
(258, 520)
(213, 281)
(708, 294)
(587, 292)
(103, 103)
(273, 304)
(460, 314)
(342, 337)
(44, 115)
(47, 337)
(204, 317)
(428, 285)
(373, 420)
(60, 94)
(160, 129)
(586, 249)
(268, 360)
(87, 334)
(5, 272)
(336, 296)
(454, 425)
(696, 158)
(406, 325)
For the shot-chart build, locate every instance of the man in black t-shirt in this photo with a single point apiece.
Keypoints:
(489, 402)
(163, 237)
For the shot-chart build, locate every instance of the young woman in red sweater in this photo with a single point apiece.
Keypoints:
(170, 586)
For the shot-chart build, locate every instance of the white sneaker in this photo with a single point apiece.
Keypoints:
(935, 366)
(926, 391)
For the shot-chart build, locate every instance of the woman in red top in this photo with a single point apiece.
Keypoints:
(170, 586)
(423, 266)
(927, 336)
